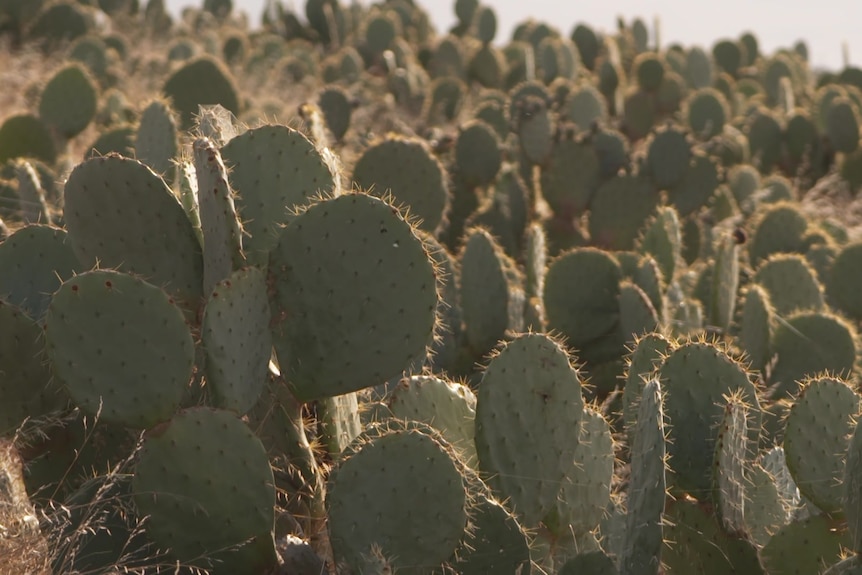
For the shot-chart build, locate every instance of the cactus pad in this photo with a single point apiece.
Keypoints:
(354, 296)
(528, 414)
(26, 383)
(447, 406)
(236, 339)
(407, 170)
(697, 376)
(34, 261)
(374, 485)
(273, 170)
(816, 436)
(120, 346)
(121, 214)
(205, 483)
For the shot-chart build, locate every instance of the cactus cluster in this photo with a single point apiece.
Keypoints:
(349, 294)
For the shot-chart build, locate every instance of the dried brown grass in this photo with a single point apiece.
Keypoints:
(23, 547)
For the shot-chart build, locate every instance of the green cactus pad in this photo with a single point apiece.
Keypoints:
(805, 546)
(26, 136)
(807, 344)
(697, 185)
(340, 421)
(535, 127)
(492, 294)
(758, 323)
(444, 350)
(852, 488)
(528, 414)
(201, 82)
(354, 296)
(34, 261)
(478, 153)
(816, 436)
(730, 463)
(647, 356)
(570, 178)
(501, 214)
(778, 229)
(495, 542)
(585, 106)
(273, 170)
(586, 491)
(612, 228)
(156, 139)
(219, 224)
(668, 155)
(594, 563)
(649, 70)
(485, 24)
(613, 150)
(205, 484)
(31, 196)
(765, 511)
(662, 239)
(408, 171)
(643, 525)
(706, 112)
(446, 406)
(637, 314)
(493, 114)
(381, 30)
(765, 138)
(447, 98)
(119, 140)
(696, 377)
(724, 283)
(695, 543)
(699, 68)
(582, 289)
(236, 340)
(791, 284)
(378, 479)
(68, 102)
(845, 281)
(120, 346)
(121, 214)
(26, 386)
(639, 114)
(337, 110)
(842, 125)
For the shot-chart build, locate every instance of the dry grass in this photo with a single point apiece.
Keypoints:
(23, 548)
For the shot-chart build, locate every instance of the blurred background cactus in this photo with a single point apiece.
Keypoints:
(347, 294)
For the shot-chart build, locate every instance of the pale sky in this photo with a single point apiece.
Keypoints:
(823, 24)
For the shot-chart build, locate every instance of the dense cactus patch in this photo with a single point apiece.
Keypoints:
(347, 294)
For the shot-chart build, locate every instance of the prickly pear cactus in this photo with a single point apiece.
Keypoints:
(350, 267)
(643, 527)
(379, 479)
(121, 214)
(236, 339)
(204, 481)
(696, 376)
(528, 413)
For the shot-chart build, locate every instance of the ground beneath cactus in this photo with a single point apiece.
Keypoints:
(23, 549)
